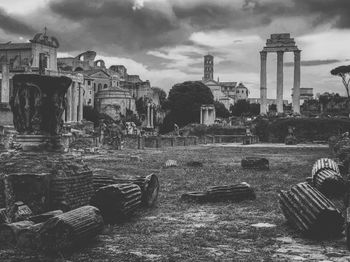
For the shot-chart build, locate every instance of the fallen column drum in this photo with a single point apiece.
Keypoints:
(311, 212)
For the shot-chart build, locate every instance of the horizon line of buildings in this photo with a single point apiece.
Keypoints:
(110, 90)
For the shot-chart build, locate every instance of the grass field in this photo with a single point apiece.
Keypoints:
(180, 231)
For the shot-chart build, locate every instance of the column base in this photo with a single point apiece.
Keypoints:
(39, 143)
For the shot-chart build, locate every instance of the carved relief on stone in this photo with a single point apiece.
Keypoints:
(38, 103)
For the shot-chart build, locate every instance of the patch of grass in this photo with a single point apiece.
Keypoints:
(181, 231)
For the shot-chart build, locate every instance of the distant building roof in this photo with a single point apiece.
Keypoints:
(94, 71)
(228, 83)
(15, 46)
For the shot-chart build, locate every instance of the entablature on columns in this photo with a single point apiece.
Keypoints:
(280, 43)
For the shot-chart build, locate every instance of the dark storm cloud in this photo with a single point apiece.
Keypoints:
(116, 22)
(114, 26)
(327, 10)
(315, 62)
(13, 25)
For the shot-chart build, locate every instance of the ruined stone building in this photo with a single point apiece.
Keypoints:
(112, 91)
(227, 93)
(38, 56)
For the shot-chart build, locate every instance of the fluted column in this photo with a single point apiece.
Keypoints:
(5, 83)
(263, 90)
(296, 85)
(279, 81)
(69, 104)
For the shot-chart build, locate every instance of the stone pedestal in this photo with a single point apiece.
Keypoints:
(39, 142)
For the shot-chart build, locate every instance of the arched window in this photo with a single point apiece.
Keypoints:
(99, 87)
(105, 86)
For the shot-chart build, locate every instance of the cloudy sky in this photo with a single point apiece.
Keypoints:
(165, 40)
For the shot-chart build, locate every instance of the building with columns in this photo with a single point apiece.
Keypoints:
(38, 56)
(207, 115)
(280, 43)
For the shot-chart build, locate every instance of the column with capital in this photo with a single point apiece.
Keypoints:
(279, 81)
(296, 85)
(263, 90)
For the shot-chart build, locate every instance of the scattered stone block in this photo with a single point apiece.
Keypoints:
(171, 163)
(136, 158)
(237, 192)
(9, 232)
(22, 211)
(256, 163)
(29, 238)
(309, 211)
(291, 140)
(194, 164)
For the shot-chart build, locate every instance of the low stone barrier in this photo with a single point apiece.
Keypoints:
(137, 142)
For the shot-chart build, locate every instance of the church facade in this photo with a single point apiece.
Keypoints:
(227, 93)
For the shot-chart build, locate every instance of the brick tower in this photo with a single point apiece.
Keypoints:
(208, 68)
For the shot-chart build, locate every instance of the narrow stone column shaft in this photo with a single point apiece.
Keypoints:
(148, 115)
(152, 111)
(263, 90)
(296, 85)
(280, 81)
(69, 104)
(5, 83)
(201, 117)
(74, 103)
(81, 99)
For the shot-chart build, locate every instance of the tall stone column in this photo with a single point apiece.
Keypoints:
(69, 104)
(81, 99)
(206, 116)
(148, 115)
(5, 83)
(263, 90)
(296, 85)
(152, 111)
(279, 81)
(201, 116)
(74, 103)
